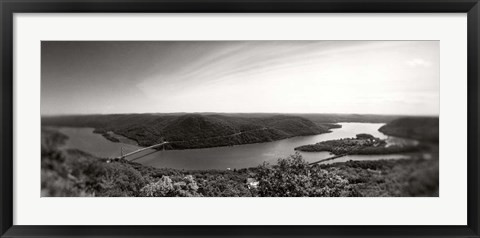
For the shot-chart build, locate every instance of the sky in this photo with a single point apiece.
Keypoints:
(366, 77)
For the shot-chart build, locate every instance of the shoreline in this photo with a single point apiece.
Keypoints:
(150, 162)
(222, 146)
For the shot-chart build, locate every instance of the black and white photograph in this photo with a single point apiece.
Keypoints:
(240, 118)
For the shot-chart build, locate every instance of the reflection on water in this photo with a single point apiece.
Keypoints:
(239, 156)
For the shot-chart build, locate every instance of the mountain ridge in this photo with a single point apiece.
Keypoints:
(195, 130)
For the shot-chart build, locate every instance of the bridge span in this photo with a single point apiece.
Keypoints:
(194, 139)
(142, 149)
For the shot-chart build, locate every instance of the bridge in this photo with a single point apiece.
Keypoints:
(193, 139)
(327, 159)
(142, 149)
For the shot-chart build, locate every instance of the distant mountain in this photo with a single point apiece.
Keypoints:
(337, 118)
(419, 128)
(195, 130)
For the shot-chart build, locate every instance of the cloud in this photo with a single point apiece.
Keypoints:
(419, 63)
(243, 76)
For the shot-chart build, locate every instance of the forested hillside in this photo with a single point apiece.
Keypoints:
(419, 128)
(195, 130)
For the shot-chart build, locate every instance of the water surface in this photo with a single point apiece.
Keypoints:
(239, 156)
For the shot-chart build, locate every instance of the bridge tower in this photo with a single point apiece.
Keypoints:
(162, 139)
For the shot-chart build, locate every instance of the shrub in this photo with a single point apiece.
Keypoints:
(224, 185)
(165, 187)
(293, 177)
(162, 188)
(120, 180)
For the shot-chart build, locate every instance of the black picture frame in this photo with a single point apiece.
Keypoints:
(9, 7)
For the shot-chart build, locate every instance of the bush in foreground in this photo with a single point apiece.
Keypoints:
(165, 187)
(294, 177)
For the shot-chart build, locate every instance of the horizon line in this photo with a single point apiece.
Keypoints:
(206, 112)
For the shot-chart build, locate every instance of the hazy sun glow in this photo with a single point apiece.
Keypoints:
(371, 77)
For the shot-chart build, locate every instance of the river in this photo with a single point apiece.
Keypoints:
(240, 156)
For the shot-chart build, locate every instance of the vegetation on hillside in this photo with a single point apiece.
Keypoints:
(75, 173)
(419, 128)
(337, 118)
(106, 135)
(363, 144)
(416, 177)
(189, 131)
(293, 177)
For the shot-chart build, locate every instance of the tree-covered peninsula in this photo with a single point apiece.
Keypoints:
(362, 144)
